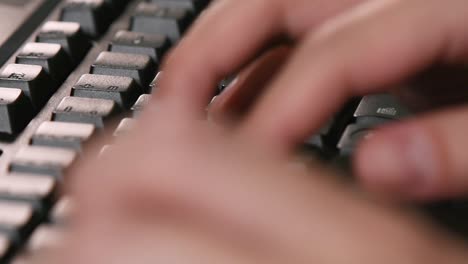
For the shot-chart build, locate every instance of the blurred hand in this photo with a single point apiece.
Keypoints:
(336, 49)
(177, 190)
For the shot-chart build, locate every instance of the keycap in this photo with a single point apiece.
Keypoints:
(192, 5)
(94, 16)
(156, 19)
(29, 187)
(154, 85)
(380, 108)
(31, 79)
(63, 135)
(352, 135)
(140, 43)
(139, 67)
(45, 237)
(85, 110)
(42, 160)
(6, 247)
(62, 210)
(122, 90)
(142, 101)
(15, 111)
(68, 35)
(124, 127)
(321, 139)
(17, 217)
(51, 57)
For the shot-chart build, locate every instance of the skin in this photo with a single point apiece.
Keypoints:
(233, 192)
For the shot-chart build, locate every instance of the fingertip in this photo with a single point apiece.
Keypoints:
(398, 161)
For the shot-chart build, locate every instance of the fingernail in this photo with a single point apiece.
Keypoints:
(401, 158)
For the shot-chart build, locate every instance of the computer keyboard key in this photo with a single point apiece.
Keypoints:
(29, 187)
(157, 19)
(68, 35)
(194, 6)
(32, 80)
(17, 217)
(45, 237)
(139, 67)
(154, 85)
(94, 16)
(16, 111)
(352, 135)
(63, 135)
(382, 106)
(49, 56)
(123, 90)
(124, 127)
(85, 110)
(62, 210)
(140, 43)
(6, 247)
(42, 160)
(142, 101)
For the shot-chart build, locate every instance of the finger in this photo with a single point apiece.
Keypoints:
(424, 158)
(354, 58)
(229, 36)
(236, 100)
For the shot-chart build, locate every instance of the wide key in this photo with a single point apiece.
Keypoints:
(85, 110)
(123, 90)
(29, 187)
(156, 19)
(139, 67)
(63, 135)
(380, 108)
(42, 160)
(194, 6)
(51, 57)
(68, 35)
(32, 80)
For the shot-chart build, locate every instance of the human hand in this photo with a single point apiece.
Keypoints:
(340, 49)
(180, 190)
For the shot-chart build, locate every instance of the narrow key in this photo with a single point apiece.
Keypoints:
(68, 35)
(63, 135)
(156, 19)
(49, 56)
(154, 85)
(380, 108)
(17, 217)
(85, 110)
(94, 16)
(352, 135)
(140, 104)
(140, 43)
(15, 111)
(123, 90)
(139, 67)
(124, 127)
(32, 80)
(42, 160)
(29, 187)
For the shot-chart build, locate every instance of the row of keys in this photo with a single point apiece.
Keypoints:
(119, 80)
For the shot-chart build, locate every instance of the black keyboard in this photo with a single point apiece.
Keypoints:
(68, 67)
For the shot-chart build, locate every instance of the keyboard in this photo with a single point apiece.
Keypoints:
(68, 67)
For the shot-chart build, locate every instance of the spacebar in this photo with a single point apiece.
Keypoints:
(18, 20)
